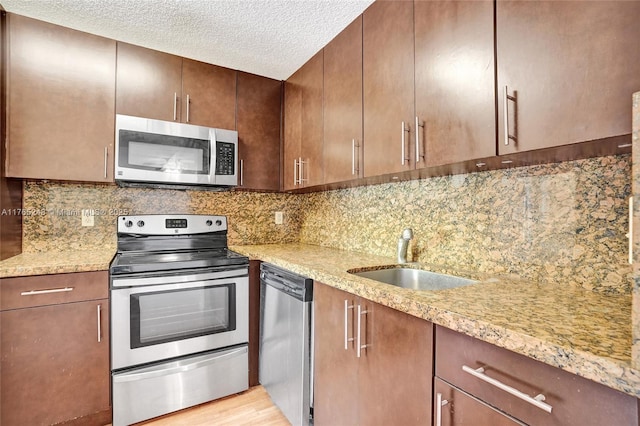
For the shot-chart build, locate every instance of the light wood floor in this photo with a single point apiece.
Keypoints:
(252, 407)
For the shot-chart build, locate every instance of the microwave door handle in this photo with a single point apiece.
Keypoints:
(214, 156)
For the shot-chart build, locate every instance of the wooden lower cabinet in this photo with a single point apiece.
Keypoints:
(458, 408)
(55, 362)
(389, 383)
(573, 400)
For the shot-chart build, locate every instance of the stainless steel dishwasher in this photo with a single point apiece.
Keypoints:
(286, 342)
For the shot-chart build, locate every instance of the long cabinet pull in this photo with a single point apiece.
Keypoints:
(99, 323)
(175, 106)
(188, 102)
(505, 107)
(353, 156)
(405, 128)
(347, 339)
(418, 154)
(359, 345)
(536, 401)
(439, 404)
(301, 164)
(295, 172)
(106, 161)
(241, 172)
(48, 291)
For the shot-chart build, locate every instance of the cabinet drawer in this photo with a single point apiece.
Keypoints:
(574, 400)
(41, 290)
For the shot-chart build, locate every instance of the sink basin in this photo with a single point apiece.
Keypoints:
(416, 279)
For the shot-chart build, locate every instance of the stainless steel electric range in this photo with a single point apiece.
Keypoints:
(179, 315)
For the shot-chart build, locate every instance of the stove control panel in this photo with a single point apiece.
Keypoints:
(161, 224)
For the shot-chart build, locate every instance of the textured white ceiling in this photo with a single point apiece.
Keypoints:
(272, 38)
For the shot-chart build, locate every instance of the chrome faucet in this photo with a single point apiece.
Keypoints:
(403, 243)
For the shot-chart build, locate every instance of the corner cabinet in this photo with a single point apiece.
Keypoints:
(566, 71)
(55, 349)
(385, 381)
(61, 102)
(259, 118)
(303, 138)
(162, 86)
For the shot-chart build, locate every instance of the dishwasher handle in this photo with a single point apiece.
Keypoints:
(287, 282)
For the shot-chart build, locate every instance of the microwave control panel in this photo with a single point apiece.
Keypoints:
(225, 158)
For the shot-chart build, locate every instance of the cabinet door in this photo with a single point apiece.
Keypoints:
(388, 73)
(208, 95)
(259, 113)
(61, 97)
(292, 130)
(335, 368)
(343, 105)
(54, 368)
(570, 67)
(455, 97)
(149, 83)
(458, 408)
(395, 369)
(311, 131)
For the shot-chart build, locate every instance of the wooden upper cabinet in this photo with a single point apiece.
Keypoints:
(208, 95)
(303, 153)
(343, 105)
(149, 83)
(312, 138)
(455, 97)
(569, 68)
(153, 84)
(61, 102)
(259, 116)
(388, 86)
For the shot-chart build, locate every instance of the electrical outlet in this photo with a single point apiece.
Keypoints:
(87, 217)
(279, 218)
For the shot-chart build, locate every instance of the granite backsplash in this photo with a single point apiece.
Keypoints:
(563, 223)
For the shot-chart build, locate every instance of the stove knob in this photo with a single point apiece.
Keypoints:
(209, 223)
(140, 223)
(128, 224)
(218, 222)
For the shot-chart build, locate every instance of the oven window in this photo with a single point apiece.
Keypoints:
(168, 316)
(170, 154)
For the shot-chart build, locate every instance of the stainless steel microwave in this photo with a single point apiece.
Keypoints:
(169, 153)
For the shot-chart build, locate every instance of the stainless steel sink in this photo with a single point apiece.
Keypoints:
(416, 279)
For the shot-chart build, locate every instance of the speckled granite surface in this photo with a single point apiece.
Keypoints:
(580, 331)
(59, 262)
(52, 214)
(563, 223)
(636, 229)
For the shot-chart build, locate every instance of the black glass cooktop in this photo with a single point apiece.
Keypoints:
(138, 262)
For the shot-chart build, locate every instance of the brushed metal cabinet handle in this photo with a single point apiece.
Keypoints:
(536, 401)
(99, 314)
(48, 291)
(347, 339)
(106, 161)
(506, 98)
(353, 156)
(188, 102)
(295, 172)
(403, 142)
(175, 106)
(359, 345)
(439, 404)
(418, 125)
(241, 172)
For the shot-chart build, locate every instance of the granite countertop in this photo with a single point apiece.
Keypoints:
(579, 331)
(61, 262)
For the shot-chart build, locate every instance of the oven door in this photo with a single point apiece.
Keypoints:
(160, 317)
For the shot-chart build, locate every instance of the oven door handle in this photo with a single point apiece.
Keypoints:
(177, 367)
